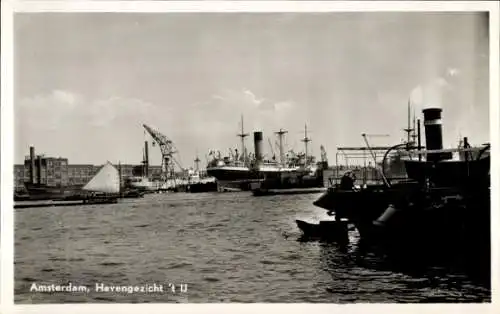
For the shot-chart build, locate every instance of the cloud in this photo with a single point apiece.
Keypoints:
(464, 112)
(47, 111)
(432, 93)
(65, 97)
(220, 119)
(59, 109)
(230, 105)
(452, 72)
(108, 111)
(66, 123)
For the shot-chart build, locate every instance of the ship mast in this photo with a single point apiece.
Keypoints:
(414, 134)
(197, 163)
(410, 131)
(280, 134)
(243, 135)
(305, 140)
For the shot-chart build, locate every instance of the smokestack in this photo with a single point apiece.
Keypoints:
(120, 175)
(434, 133)
(419, 139)
(32, 164)
(146, 159)
(257, 140)
(39, 169)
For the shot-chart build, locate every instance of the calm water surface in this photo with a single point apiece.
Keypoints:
(226, 247)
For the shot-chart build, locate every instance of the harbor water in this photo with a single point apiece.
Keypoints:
(210, 247)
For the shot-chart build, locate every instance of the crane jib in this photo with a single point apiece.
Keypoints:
(167, 149)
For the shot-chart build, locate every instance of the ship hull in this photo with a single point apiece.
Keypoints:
(202, 187)
(293, 180)
(241, 177)
(449, 173)
(36, 191)
(143, 187)
(229, 174)
(430, 222)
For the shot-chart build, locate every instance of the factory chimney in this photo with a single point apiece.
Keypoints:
(146, 159)
(257, 140)
(32, 164)
(434, 134)
(39, 169)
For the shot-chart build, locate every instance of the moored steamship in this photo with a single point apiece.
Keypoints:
(241, 171)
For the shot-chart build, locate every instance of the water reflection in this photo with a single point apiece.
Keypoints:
(379, 276)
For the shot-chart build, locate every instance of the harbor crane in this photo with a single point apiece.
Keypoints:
(168, 150)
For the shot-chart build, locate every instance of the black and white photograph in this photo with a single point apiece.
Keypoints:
(337, 157)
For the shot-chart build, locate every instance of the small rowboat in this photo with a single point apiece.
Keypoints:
(325, 230)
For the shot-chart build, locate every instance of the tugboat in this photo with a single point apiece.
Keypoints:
(199, 183)
(442, 206)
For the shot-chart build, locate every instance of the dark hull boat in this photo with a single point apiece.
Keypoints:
(366, 205)
(232, 174)
(296, 182)
(325, 230)
(449, 172)
(309, 229)
(363, 206)
(242, 177)
(441, 211)
(202, 187)
(101, 199)
(132, 193)
(45, 192)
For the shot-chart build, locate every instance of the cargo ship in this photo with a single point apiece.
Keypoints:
(240, 171)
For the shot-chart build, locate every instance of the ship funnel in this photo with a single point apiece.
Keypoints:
(434, 134)
(257, 140)
(32, 164)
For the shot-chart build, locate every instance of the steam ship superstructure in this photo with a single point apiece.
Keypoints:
(441, 208)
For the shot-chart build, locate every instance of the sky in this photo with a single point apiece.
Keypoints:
(85, 83)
